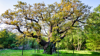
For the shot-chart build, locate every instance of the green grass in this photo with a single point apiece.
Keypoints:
(10, 52)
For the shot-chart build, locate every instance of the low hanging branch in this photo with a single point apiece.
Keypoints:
(64, 30)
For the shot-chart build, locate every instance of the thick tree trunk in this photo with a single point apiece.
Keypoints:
(49, 48)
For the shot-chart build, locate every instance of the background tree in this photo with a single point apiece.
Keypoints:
(56, 20)
(92, 30)
(79, 40)
(7, 39)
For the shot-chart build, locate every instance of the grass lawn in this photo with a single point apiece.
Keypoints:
(10, 52)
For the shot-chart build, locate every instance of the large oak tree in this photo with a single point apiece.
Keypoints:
(53, 21)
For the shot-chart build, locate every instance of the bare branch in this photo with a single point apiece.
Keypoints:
(68, 15)
(75, 21)
(41, 16)
(80, 21)
(64, 30)
(61, 37)
(32, 19)
(18, 28)
(45, 30)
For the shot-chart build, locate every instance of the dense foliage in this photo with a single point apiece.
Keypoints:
(93, 30)
(7, 39)
(56, 19)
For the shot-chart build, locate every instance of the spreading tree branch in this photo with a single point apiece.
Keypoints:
(64, 30)
(32, 19)
(18, 28)
(61, 37)
(66, 17)
(75, 21)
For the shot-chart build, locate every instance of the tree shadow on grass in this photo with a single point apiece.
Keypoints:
(96, 53)
(69, 54)
(37, 55)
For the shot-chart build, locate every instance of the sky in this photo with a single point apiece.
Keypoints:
(8, 4)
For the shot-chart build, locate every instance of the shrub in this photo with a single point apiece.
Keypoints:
(12, 45)
(1, 46)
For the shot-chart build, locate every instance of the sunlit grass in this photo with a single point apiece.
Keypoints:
(10, 52)
(75, 51)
